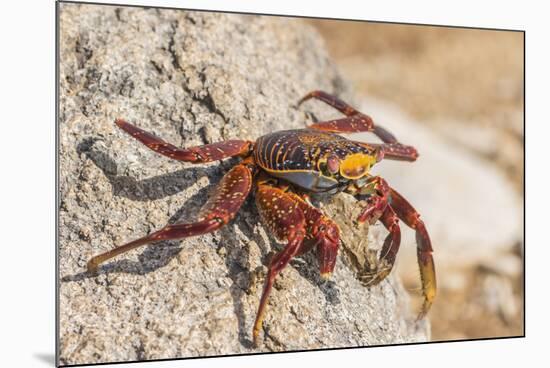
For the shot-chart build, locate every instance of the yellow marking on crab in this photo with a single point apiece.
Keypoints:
(356, 165)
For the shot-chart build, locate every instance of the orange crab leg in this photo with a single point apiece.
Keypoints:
(218, 211)
(411, 217)
(199, 154)
(283, 217)
(354, 122)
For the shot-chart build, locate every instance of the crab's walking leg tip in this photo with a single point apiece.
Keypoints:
(92, 265)
(255, 334)
(302, 100)
(325, 276)
(424, 311)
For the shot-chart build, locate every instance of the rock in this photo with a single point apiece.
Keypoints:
(472, 211)
(192, 78)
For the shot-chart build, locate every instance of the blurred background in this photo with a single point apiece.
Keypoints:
(457, 96)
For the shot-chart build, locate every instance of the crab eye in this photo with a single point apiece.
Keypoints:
(333, 164)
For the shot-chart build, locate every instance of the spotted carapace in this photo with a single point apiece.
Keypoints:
(282, 169)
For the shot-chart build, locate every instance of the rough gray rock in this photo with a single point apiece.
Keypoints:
(192, 78)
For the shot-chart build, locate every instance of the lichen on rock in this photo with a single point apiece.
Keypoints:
(192, 78)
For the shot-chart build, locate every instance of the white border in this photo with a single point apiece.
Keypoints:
(27, 185)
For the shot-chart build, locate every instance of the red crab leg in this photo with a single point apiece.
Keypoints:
(393, 151)
(411, 217)
(387, 205)
(282, 215)
(220, 209)
(389, 249)
(199, 154)
(393, 240)
(377, 192)
(324, 232)
(355, 121)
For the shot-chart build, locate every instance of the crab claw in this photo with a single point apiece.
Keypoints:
(327, 237)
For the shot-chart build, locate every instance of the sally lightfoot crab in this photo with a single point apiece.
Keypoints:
(283, 168)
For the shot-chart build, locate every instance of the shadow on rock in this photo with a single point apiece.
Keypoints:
(154, 188)
(308, 267)
(237, 262)
(156, 255)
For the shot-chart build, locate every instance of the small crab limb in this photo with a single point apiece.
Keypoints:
(354, 122)
(199, 154)
(388, 206)
(411, 217)
(393, 151)
(376, 194)
(389, 249)
(327, 240)
(393, 240)
(280, 212)
(322, 233)
(220, 209)
(331, 100)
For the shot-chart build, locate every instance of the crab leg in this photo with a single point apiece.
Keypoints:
(282, 215)
(393, 240)
(411, 217)
(388, 206)
(199, 154)
(393, 151)
(218, 211)
(354, 122)
(376, 191)
(389, 249)
(331, 100)
(323, 232)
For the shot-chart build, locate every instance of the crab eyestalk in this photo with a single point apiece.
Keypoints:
(333, 164)
(329, 166)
